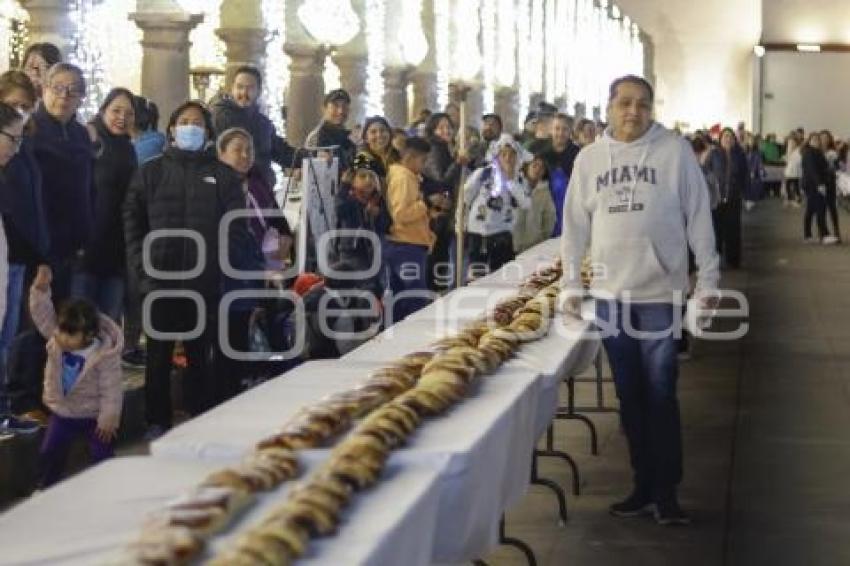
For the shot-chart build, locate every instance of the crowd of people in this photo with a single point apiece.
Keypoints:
(112, 223)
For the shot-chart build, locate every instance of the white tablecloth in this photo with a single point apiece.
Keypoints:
(233, 428)
(90, 518)
(483, 447)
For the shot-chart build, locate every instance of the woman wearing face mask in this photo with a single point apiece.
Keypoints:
(22, 208)
(38, 58)
(100, 276)
(185, 189)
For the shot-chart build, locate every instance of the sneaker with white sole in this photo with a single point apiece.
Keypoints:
(635, 505)
(830, 240)
(668, 513)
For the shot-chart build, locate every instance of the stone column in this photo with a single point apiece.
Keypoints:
(306, 90)
(474, 104)
(352, 78)
(49, 22)
(165, 56)
(243, 46)
(507, 107)
(424, 92)
(396, 108)
(243, 32)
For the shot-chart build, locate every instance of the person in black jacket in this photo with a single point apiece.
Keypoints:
(361, 209)
(728, 163)
(814, 183)
(185, 189)
(65, 155)
(100, 277)
(559, 158)
(240, 110)
(331, 131)
(442, 173)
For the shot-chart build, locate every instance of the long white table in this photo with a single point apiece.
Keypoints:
(233, 428)
(478, 455)
(90, 518)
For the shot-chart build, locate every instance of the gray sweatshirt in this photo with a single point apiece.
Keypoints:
(638, 205)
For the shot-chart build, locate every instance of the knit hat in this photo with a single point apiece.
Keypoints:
(305, 282)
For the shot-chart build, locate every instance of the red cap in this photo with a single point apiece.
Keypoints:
(305, 282)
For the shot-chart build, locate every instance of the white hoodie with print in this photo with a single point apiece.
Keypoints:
(638, 205)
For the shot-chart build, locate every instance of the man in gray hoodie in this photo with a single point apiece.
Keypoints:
(638, 198)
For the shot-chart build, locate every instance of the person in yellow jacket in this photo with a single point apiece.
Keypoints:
(409, 237)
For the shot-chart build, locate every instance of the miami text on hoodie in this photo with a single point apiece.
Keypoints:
(638, 205)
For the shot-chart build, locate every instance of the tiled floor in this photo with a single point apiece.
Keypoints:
(766, 432)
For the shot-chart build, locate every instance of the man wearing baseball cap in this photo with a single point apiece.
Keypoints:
(332, 131)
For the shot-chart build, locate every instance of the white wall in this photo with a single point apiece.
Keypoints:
(809, 90)
(806, 21)
(702, 57)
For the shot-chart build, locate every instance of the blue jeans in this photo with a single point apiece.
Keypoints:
(14, 298)
(645, 374)
(406, 268)
(107, 293)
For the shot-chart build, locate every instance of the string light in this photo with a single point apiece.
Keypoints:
(537, 54)
(550, 50)
(86, 54)
(330, 22)
(14, 33)
(375, 39)
(467, 27)
(118, 43)
(488, 44)
(506, 46)
(442, 21)
(523, 41)
(275, 73)
(411, 38)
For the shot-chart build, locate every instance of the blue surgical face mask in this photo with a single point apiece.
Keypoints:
(189, 137)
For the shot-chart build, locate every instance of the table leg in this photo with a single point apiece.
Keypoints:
(550, 452)
(516, 543)
(559, 493)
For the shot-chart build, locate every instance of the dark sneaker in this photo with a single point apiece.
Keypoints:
(134, 359)
(636, 505)
(668, 513)
(18, 425)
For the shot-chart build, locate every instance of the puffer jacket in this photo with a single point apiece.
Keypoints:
(186, 190)
(99, 390)
(268, 146)
(113, 170)
(65, 155)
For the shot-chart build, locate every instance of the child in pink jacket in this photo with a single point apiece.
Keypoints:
(83, 387)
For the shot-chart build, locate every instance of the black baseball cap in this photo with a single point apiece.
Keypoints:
(337, 95)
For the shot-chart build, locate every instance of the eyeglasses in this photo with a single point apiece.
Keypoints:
(16, 140)
(68, 90)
